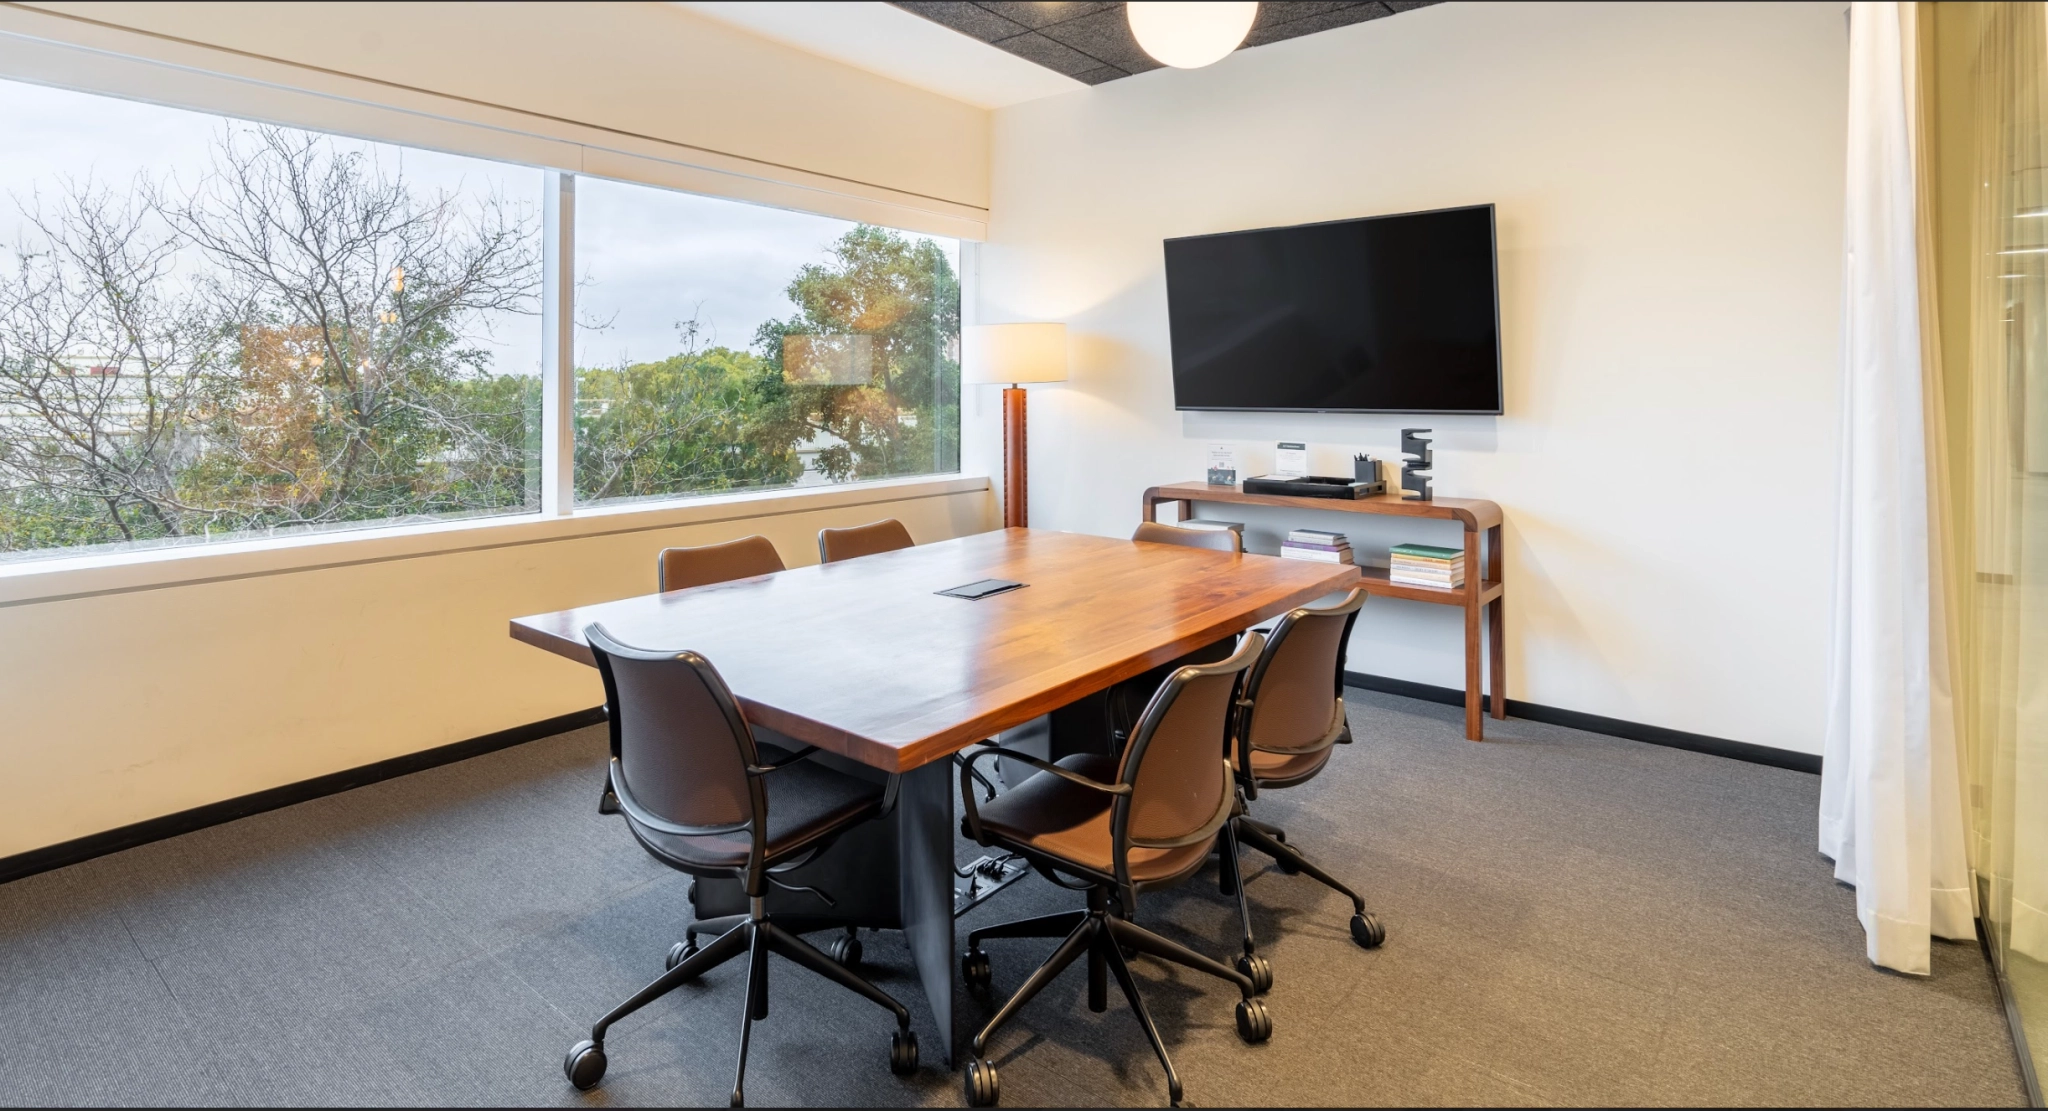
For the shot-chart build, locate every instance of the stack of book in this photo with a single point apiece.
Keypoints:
(1216, 526)
(1326, 547)
(1424, 565)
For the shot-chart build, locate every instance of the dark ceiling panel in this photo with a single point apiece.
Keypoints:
(1092, 42)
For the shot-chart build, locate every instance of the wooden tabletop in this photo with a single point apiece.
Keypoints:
(1473, 513)
(863, 658)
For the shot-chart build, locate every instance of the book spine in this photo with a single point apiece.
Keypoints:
(1317, 547)
(1423, 551)
(1398, 581)
(1320, 557)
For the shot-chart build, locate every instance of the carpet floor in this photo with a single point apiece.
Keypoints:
(1572, 919)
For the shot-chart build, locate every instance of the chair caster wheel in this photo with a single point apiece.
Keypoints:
(975, 971)
(1367, 931)
(845, 950)
(584, 1066)
(1257, 969)
(983, 1090)
(1254, 1024)
(903, 1052)
(680, 952)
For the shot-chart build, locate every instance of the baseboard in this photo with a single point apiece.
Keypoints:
(213, 814)
(1594, 723)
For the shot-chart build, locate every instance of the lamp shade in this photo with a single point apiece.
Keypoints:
(1014, 353)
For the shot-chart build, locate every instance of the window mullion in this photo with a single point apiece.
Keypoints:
(558, 341)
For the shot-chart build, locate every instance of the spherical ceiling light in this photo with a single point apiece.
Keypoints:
(1190, 35)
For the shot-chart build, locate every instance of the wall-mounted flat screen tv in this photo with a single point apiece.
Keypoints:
(1388, 314)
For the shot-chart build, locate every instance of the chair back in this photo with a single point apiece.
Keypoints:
(682, 568)
(1176, 765)
(1222, 540)
(681, 744)
(1296, 690)
(835, 544)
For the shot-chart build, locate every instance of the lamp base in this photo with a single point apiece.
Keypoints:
(1016, 507)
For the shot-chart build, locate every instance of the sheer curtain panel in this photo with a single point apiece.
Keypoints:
(1891, 813)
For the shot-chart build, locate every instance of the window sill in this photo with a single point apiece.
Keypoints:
(59, 578)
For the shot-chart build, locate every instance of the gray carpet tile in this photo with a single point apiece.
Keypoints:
(1573, 919)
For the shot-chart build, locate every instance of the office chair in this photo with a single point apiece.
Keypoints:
(835, 544)
(682, 568)
(1115, 828)
(1127, 699)
(1290, 719)
(699, 798)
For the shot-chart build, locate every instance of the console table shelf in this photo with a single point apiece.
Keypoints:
(1484, 592)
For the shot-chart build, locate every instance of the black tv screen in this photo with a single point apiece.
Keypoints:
(1389, 314)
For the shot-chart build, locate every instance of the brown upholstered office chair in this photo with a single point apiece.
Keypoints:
(1290, 720)
(1127, 699)
(835, 544)
(699, 798)
(682, 568)
(1117, 827)
(1222, 540)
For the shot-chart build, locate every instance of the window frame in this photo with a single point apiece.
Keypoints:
(82, 56)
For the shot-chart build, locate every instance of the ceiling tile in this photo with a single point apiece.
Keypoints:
(1035, 47)
(1098, 76)
(1325, 21)
(1092, 42)
(968, 19)
(1040, 15)
(1106, 36)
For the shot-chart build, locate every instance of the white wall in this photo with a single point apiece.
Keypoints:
(1669, 182)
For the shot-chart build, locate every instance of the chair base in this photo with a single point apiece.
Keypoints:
(756, 937)
(1104, 939)
(1366, 929)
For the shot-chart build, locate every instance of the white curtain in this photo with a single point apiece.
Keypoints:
(1891, 813)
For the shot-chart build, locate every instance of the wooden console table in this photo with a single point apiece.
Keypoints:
(1480, 592)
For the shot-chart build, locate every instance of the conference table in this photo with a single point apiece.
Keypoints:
(864, 658)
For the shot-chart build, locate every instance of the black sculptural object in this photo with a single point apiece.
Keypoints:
(1415, 484)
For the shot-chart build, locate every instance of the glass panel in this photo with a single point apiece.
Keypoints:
(727, 346)
(1992, 81)
(213, 330)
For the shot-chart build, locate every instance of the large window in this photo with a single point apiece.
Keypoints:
(724, 346)
(211, 329)
(214, 330)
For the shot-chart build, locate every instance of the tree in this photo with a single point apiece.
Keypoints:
(906, 420)
(287, 343)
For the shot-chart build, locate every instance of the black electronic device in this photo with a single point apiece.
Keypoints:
(1313, 486)
(980, 588)
(1387, 314)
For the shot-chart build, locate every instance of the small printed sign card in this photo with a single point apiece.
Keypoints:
(1222, 464)
(1290, 460)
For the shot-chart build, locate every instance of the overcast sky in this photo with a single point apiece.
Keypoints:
(646, 258)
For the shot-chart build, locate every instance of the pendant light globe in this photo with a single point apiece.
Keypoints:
(1190, 35)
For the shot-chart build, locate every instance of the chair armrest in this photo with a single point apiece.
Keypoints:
(643, 816)
(967, 780)
(764, 769)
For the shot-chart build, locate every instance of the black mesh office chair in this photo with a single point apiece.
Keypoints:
(698, 797)
(1115, 828)
(682, 568)
(1289, 722)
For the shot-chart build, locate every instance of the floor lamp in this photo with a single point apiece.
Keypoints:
(1015, 354)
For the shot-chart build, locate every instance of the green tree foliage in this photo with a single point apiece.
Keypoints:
(904, 294)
